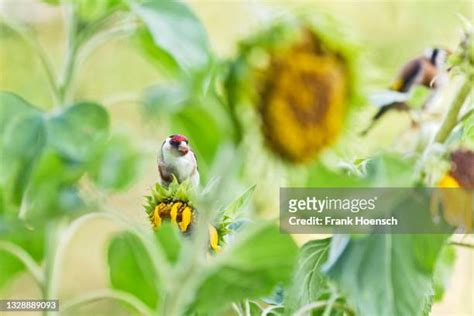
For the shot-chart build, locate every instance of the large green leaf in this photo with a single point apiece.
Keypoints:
(31, 241)
(75, 131)
(443, 271)
(169, 239)
(389, 170)
(388, 274)
(53, 188)
(251, 268)
(156, 55)
(24, 140)
(12, 106)
(89, 10)
(309, 283)
(205, 131)
(468, 130)
(177, 30)
(131, 269)
(385, 170)
(115, 164)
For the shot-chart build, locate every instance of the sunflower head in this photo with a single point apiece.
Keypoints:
(457, 204)
(300, 75)
(462, 167)
(171, 204)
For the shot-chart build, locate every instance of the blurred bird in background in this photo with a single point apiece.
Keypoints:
(177, 159)
(427, 70)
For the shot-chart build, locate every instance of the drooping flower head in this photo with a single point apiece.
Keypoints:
(458, 194)
(173, 204)
(300, 76)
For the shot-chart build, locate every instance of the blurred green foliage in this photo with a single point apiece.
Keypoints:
(50, 153)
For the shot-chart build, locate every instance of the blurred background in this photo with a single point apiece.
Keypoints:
(115, 75)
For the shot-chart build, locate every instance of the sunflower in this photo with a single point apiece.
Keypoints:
(173, 204)
(178, 212)
(300, 77)
(457, 198)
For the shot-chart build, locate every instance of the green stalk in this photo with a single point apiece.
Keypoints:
(107, 294)
(29, 37)
(26, 259)
(451, 119)
(188, 274)
(52, 267)
(67, 71)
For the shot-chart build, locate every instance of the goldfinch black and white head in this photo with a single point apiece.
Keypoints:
(177, 159)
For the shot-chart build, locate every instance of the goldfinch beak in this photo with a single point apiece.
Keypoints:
(183, 148)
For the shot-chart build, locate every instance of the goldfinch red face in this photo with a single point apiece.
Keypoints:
(178, 144)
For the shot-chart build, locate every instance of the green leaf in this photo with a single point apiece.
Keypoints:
(165, 98)
(388, 274)
(177, 30)
(386, 170)
(162, 59)
(53, 188)
(24, 140)
(251, 268)
(254, 308)
(443, 270)
(90, 10)
(116, 163)
(131, 270)
(170, 241)
(235, 206)
(32, 241)
(11, 106)
(204, 131)
(389, 170)
(309, 283)
(76, 130)
(467, 136)
(321, 176)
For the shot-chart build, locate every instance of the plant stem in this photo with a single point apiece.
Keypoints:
(461, 244)
(319, 305)
(56, 243)
(90, 297)
(70, 54)
(451, 118)
(27, 34)
(26, 259)
(187, 276)
(91, 44)
(466, 115)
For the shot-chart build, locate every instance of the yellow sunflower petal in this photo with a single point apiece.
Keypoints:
(457, 204)
(213, 238)
(155, 217)
(174, 212)
(448, 182)
(185, 219)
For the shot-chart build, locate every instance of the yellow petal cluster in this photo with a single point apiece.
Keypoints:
(179, 213)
